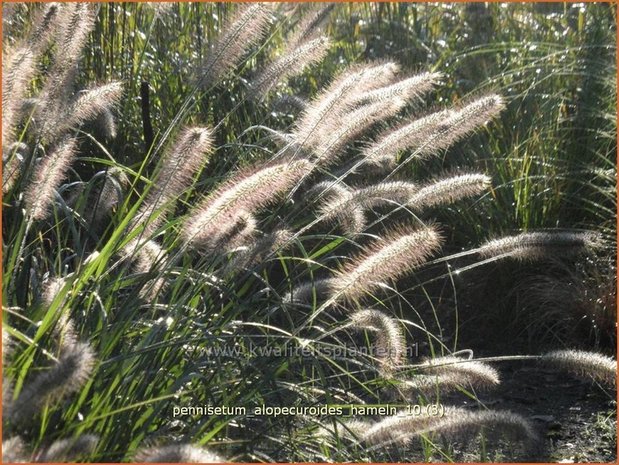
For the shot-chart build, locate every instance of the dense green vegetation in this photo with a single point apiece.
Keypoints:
(138, 281)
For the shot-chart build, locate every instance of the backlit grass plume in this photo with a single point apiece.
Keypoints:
(386, 259)
(68, 374)
(326, 110)
(455, 423)
(244, 30)
(390, 343)
(289, 65)
(429, 135)
(182, 453)
(338, 206)
(584, 364)
(463, 371)
(49, 173)
(308, 27)
(449, 190)
(249, 191)
(180, 164)
(541, 245)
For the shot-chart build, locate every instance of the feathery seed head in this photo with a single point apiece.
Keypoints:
(463, 121)
(289, 102)
(454, 424)
(390, 340)
(449, 190)
(13, 158)
(69, 450)
(585, 364)
(326, 109)
(92, 103)
(248, 192)
(181, 453)
(347, 207)
(257, 252)
(291, 63)
(48, 174)
(410, 135)
(69, 373)
(18, 68)
(387, 259)
(540, 245)
(180, 164)
(328, 144)
(406, 89)
(13, 449)
(471, 372)
(245, 29)
(309, 26)
(304, 293)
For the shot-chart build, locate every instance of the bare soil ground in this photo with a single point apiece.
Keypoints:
(576, 419)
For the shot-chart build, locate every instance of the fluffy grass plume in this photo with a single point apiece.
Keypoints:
(91, 103)
(327, 108)
(308, 27)
(259, 249)
(48, 174)
(67, 375)
(449, 190)
(540, 245)
(386, 259)
(346, 207)
(180, 164)
(244, 30)
(14, 451)
(584, 364)
(329, 141)
(245, 192)
(289, 64)
(13, 158)
(429, 135)
(463, 371)
(75, 22)
(69, 450)
(414, 87)
(390, 343)
(456, 423)
(181, 453)
(18, 68)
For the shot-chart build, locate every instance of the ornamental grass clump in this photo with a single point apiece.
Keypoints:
(220, 268)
